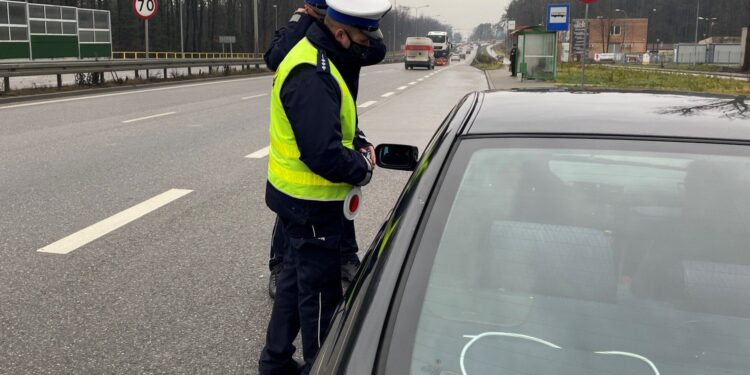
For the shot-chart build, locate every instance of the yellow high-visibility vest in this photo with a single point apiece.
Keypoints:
(286, 172)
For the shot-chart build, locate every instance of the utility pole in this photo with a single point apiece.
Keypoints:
(255, 25)
(416, 20)
(622, 32)
(395, 22)
(182, 37)
(276, 17)
(585, 48)
(695, 46)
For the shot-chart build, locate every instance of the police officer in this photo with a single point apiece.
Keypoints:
(313, 165)
(284, 40)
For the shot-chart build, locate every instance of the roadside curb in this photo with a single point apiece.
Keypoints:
(490, 84)
(104, 90)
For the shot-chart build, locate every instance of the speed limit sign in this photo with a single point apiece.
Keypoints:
(145, 9)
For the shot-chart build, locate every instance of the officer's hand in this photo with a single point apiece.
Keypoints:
(311, 12)
(371, 150)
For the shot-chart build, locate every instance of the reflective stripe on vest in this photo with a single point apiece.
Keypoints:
(286, 172)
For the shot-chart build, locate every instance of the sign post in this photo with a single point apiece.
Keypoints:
(585, 54)
(145, 10)
(227, 39)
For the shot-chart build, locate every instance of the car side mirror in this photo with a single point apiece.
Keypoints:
(398, 157)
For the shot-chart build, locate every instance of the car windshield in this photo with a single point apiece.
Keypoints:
(437, 38)
(596, 257)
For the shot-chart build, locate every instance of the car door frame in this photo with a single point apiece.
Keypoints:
(354, 339)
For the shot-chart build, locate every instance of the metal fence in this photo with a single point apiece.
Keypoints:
(708, 54)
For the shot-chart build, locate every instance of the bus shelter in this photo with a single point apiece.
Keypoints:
(40, 31)
(537, 53)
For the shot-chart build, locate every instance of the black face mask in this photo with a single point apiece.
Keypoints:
(364, 55)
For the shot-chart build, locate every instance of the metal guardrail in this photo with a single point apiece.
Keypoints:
(58, 68)
(130, 55)
(72, 67)
(136, 61)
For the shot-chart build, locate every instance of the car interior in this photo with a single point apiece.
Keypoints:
(570, 249)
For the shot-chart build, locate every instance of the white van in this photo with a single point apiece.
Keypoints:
(418, 51)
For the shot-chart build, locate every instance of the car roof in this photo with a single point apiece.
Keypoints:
(420, 39)
(611, 113)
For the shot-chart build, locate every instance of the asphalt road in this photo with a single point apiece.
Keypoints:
(164, 280)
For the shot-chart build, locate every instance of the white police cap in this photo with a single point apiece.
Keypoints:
(362, 14)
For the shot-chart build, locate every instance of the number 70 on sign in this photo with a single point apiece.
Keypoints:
(145, 9)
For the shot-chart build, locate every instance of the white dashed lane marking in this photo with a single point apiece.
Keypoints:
(148, 117)
(367, 104)
(388, 94)
(403, 87)
(260, 154)
(108, 225)
(254, 96)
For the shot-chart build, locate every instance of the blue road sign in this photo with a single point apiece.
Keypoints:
(558, 17)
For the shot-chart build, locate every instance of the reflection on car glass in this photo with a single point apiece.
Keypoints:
(735, 108)
(475, 338)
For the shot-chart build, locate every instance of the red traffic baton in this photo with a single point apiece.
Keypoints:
(352, 203)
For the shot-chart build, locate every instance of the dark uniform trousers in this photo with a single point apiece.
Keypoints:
(308, 290)
(349, 247)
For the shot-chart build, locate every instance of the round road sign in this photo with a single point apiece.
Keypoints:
(145, 9)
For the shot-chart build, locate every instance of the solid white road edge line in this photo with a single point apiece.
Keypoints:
(175, 87)
(148, 117)
(254, 96)
(403, 88)
(367, 104)
(388, 94)
(87, 235)
(260, 154)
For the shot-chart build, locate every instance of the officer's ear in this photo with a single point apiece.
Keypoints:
(342, 37)
(338, 32)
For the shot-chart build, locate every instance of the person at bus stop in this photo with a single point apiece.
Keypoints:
(284, 40)
(513, 58)
(313, 166)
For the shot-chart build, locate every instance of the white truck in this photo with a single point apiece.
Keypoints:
(442, 44)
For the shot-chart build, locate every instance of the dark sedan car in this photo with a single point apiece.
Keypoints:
(561, 233)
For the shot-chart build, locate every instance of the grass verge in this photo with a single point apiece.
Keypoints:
(484, 61)
(613, 78)
(695, 68)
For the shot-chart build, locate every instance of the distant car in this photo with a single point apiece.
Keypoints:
(462, 56)
(455, 57)
(419, 52)
(560, 233)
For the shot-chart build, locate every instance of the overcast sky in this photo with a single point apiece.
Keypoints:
(464, 15)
